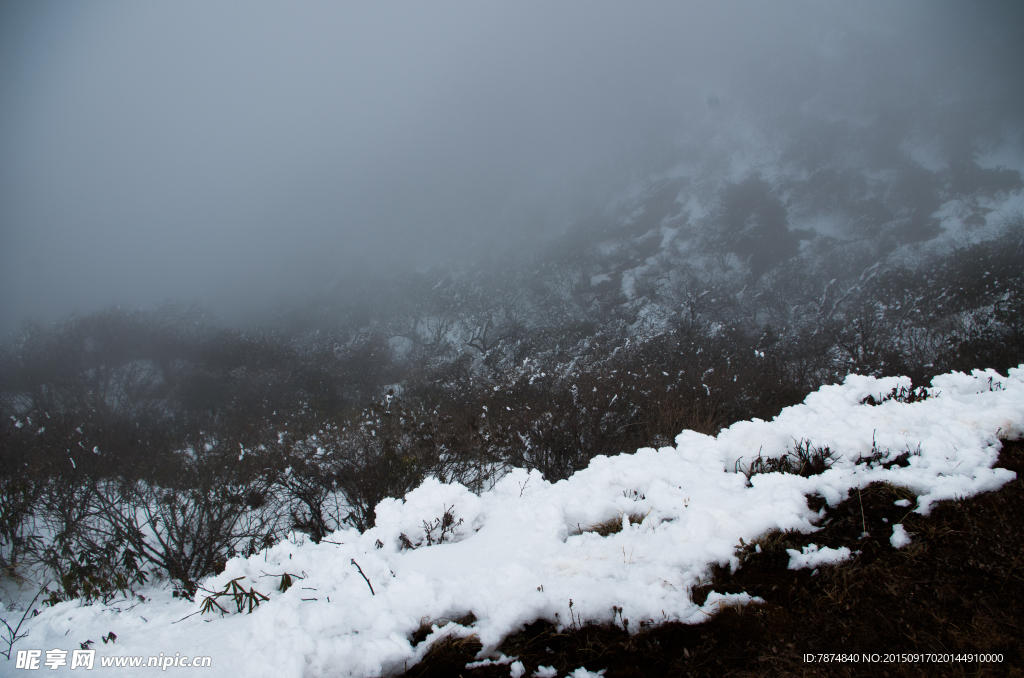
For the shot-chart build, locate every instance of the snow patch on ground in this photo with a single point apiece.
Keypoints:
(814, 556)
(583, 673)
(900, 537)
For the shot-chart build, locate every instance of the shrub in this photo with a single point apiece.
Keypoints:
(804, 460)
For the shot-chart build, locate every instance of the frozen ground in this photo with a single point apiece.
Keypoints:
(524, 550)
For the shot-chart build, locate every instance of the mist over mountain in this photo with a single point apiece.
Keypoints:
(248, 156)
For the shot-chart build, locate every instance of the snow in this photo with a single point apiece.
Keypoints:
(900, 537)
(583, 673)
(522, 551)
(814, 556)
(491, 662)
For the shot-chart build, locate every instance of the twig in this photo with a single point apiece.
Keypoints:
(364, 576)
(187, 616)
(863, 522)
(268, 574)
(13, 633)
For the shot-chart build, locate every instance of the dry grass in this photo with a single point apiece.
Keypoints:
(613, 525)
(667, 416)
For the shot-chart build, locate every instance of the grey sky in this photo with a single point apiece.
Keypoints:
(233, 152)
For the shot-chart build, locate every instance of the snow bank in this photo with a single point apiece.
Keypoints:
(517, 553)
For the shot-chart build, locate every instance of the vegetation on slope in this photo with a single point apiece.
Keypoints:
(136, 445)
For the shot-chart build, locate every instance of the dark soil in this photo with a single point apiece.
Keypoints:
(957, 589)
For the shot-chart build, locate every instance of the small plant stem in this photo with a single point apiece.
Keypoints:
(13, 633)
(364, 576)
(863, 522)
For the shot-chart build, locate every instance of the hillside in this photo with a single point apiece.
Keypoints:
(157, 454)
(511, 339)
(641, 533)
(949, 605)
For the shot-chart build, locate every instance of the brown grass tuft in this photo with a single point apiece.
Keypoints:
(614, 525)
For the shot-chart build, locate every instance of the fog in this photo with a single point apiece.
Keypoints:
(241, 154)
